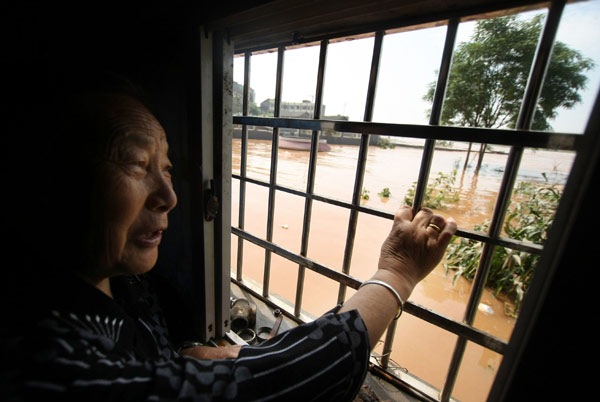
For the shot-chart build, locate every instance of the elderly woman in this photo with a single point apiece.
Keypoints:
(98, 332)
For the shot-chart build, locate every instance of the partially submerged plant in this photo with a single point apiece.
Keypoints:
(439, 193)
(385, 193)
(364, 195)
(529, 218)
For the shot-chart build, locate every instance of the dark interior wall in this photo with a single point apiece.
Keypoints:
(557, 362)
(45, 43)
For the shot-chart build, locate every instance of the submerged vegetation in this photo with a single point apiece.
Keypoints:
(385, 193)
(385, 143)
(529, 218)
(440, 191)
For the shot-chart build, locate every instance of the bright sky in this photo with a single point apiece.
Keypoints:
(409, 62)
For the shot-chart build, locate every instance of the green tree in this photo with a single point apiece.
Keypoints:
(489, 74)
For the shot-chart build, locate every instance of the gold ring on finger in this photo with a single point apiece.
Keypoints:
(435, 227)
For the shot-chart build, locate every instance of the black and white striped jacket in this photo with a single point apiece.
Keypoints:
(85, 346)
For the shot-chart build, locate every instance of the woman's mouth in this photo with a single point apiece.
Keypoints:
(149, 239)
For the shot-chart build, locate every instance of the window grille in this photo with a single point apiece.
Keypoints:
(518, 139)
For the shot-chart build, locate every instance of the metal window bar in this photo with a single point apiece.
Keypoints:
(243, 163)
(472, 334)
(361, 162)
(273, 174)
(527, 139)
(427, 158)
(518, 139)
(310, 183)
(477, 236)
(532, 91)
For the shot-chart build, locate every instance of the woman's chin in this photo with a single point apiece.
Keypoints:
(139, 263)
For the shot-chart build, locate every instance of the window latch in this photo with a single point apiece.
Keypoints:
(211, 202)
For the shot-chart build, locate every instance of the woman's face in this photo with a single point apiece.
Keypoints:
(135, 191)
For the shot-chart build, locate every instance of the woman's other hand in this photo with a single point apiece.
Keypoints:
(209, 352)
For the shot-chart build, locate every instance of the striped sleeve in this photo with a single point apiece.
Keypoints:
(325, 360)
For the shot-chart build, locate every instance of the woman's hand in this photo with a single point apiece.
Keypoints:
(415, 245)
(412, 249)
(209, 352)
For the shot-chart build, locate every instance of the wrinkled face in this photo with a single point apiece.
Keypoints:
(135, 191)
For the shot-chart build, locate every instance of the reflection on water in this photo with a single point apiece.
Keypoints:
(421, 348)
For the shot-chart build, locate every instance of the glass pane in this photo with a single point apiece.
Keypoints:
(336, 169)
(299, 82)
(454, 277)
(320, 294)
(573, 79)
(540, 184)
(490, 68)
(389, 174)
(234, 252)
(405, 72)
(254, 264)
(347, 78)
(371, 231)
(422, 350)
(256, 210)
(236, 149)
(293, 159)
(235, 202)
(497, 309)
(263, 75)
(464, 182)
(288, 220)
(476, 374)
(238, 85)
(284, 276)
(260, 141)
(328, 230)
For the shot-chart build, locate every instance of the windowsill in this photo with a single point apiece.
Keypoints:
(265, 317)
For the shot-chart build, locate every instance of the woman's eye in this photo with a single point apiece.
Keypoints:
(137, 166)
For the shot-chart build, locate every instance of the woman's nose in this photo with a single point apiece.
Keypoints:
(162, 197)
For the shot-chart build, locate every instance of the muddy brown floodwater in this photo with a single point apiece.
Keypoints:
(422, 349)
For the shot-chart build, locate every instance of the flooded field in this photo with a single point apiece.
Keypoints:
(420, 348)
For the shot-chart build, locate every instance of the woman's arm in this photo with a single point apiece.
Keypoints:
(410, 252)
(321, 360)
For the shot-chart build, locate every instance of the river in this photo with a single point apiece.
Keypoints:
(420, 348)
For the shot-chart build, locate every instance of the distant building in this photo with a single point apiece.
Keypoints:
(301, 110)
(298, 110)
